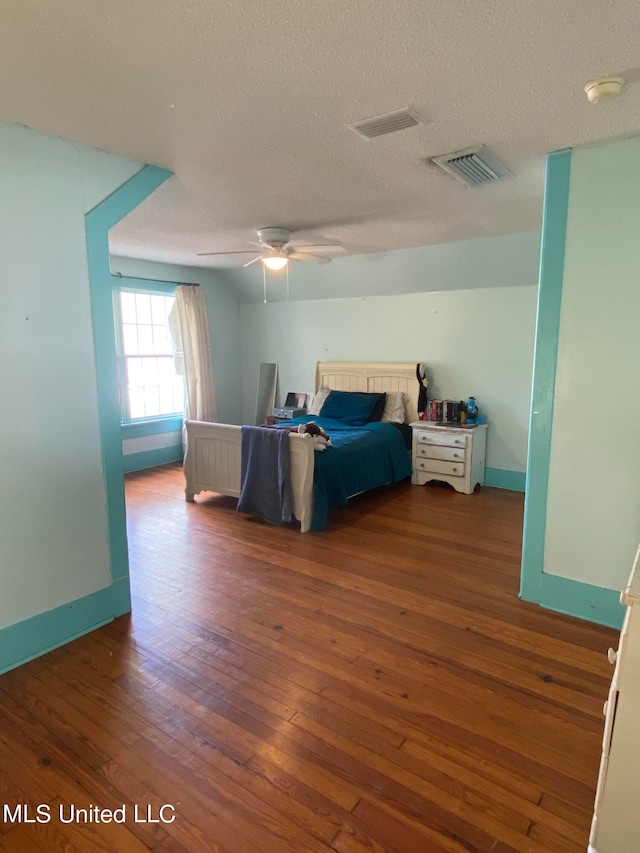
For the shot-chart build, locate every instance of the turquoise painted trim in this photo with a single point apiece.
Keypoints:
(501, 478)
(97, 224)
(554, 228)
(151, 458)
(582, 600)
(564, 595)
(33, 637)
(132, 283)
(140, 429)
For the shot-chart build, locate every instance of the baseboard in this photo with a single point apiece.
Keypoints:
(33, 637)
(581, 600)
(501, 478)
(151, 458)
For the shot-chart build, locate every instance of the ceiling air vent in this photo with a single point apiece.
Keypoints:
(389, 123)
(473, 166)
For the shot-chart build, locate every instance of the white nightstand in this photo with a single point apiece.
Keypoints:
(448, 453)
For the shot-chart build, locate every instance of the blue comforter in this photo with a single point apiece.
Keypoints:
(361, 458)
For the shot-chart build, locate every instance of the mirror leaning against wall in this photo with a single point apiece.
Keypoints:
(266, 396)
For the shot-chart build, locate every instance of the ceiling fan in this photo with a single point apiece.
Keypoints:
(275, 251)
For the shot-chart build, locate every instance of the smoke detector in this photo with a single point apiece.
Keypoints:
(603, 89)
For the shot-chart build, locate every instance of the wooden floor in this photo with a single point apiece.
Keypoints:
(375, 687)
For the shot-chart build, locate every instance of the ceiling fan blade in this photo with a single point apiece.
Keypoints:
(318, 248)
(305, 256)
(244, 252)
(259, 258)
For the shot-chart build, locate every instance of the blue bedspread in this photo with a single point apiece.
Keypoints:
(361, 458)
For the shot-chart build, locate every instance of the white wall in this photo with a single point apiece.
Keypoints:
(474, 341)
(593, 506)
(53, 524)
(223, 312)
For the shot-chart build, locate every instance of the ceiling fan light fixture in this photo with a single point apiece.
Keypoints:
(276, 261)
(275, 252)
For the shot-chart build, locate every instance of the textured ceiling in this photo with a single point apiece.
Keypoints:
(248, 104)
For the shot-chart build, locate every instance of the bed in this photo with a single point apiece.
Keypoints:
(213, 457)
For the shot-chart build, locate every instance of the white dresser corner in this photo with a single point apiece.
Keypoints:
(616, 818)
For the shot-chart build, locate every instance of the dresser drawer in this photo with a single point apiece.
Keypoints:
(437, 466)
(437, 451)
(442, 439)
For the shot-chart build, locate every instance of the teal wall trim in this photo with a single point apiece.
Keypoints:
(554, 227)
(97, 224)
(500, 478)
(564, 595)
(582, 600)
(140, 429)
(33, 637)
(151, 458)
(132, 283)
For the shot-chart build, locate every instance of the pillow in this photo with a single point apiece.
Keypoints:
(394, 408)
(352, 408)
(318, 401)
(378, 409)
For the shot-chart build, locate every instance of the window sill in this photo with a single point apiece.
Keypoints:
(152, 426)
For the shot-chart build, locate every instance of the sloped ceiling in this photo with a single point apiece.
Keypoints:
(249, 103)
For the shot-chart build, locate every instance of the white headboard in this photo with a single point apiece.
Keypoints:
(371, 376)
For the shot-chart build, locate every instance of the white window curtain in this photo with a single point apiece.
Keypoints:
(190, 332)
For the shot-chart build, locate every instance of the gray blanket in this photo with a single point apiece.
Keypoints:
(265, 488)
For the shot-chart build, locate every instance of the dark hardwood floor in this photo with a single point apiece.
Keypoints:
(374, 687)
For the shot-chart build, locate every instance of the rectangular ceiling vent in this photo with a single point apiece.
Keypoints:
(389, 123)
(473, 166)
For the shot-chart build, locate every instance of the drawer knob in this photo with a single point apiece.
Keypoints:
(456, 456)
(612, 656)
(456, 441)
(454, 469)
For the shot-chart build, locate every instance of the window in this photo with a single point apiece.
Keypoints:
(149, 385)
